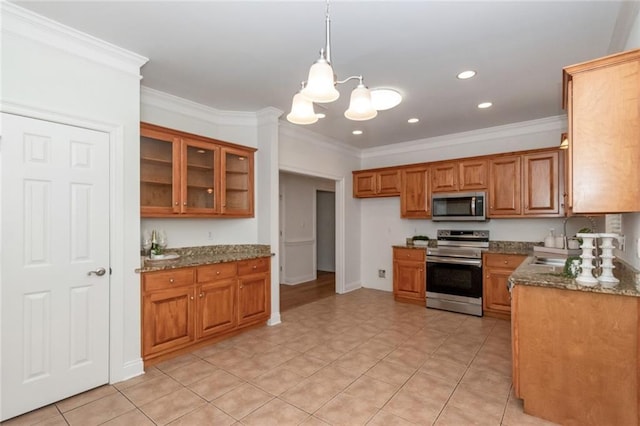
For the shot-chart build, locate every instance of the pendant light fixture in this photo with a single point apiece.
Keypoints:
(320, 87)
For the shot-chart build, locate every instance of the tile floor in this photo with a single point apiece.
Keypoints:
(353, 359)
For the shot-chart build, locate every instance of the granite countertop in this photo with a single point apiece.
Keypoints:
(498, 247)
(205, 255)
(550, 276)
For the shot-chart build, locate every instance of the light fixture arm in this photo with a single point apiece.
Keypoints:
(353, 77)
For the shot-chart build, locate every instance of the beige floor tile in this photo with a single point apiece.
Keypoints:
(444, 369)
(242, 400)
(346, 410)
(85, 398)
(215, 385)
(131, 418)
(178, 362)
(407, 356)
(304, 365)
(487, 381)
(457, 353)
(99, 411)
(371, 390)
(256, 346)
(304, 343)
(275, 413)
(337, 376)
(228, 357)
(455, 416)
(172, 406)
(439, 389)
(34, 417)
(390, 372)
(492, 363)
(355, 362)
(313, 421)
(277, 381)
(150, 373)
(311, 394)
(205, 415)
(325, 353)
(374, 349)
(213, 348)
(412, 406)
(151, 390)
(514, 415)
(480, 403)
(276, 357)
(384, 418)
(192, 372)
(247, 369)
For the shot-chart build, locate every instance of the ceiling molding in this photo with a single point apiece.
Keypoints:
(31, 26)
(629, 12)
(558, 123)
(175, 104)
(307, 136)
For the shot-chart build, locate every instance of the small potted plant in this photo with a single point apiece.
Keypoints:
(421, 240)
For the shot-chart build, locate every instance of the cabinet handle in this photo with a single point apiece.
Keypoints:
(171, 280)
(184, 203)
(201, 295)
(217, 272)
(255, 266)
(191, 297)
(506, 261)
(241, 285)
(177, 203)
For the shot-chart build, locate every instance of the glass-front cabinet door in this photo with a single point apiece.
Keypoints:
(199, 192)
(237, 182)
(159, 173)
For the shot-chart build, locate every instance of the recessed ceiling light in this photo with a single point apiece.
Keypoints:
(413, 120)
(484, 105)
(383, 99)
(466, 74)
(320, 115)
(357, 132)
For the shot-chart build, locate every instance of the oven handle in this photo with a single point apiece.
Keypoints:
(454, 261)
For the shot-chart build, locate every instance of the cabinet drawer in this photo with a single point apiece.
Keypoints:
(162, 280)
(508, 261)
(409, 254)
(252, 266)
(216, 272)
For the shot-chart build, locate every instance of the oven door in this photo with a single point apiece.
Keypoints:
(456, 276)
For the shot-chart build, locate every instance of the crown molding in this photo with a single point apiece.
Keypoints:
(309, 137)
(29, 25)
(155, 98)
(268, 115)
(557, 123)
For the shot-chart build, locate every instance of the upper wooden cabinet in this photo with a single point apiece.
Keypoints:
(189, 175)
(376, 183)
(602, 98)
(415, 197)
(464, 175)
(526, 185)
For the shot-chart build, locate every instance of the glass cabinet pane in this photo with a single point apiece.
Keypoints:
(156, 173)
(200, 178)
(237, 182)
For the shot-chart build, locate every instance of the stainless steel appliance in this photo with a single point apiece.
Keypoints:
(454, 271)
(459, 206)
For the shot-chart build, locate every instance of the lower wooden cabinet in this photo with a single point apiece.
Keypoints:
(409, 275)
(186, 306)
(496, 299)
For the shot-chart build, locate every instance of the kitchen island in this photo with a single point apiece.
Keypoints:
(576, 349)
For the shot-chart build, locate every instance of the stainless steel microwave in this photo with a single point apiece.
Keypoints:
(459, 206)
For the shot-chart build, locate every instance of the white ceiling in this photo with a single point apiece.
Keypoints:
(245, 56)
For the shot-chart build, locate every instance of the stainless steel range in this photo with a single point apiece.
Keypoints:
(454, 271)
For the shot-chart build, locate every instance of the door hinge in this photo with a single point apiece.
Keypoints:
(110, 270)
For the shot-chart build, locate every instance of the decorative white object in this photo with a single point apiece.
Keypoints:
(606, 279)
(586, 277)
(550, 240)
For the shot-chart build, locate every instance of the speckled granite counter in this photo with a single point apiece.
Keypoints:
(549, 276)
(206, 255)
(499, 247)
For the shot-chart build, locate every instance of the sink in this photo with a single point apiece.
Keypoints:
(548, 261)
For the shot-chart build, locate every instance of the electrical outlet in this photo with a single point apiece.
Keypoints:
(621, 243)
(210, 235)
(382, 273)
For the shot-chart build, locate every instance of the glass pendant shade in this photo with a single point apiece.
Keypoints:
(320, 84)
(360, 107)
(301, 111)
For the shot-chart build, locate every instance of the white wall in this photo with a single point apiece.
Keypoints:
(55, 73)
(306, 153)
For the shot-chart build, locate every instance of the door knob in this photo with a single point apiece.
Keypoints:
(99, 272)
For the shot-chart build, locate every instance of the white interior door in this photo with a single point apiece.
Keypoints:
(55, 231)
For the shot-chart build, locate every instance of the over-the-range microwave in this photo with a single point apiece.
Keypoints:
(458, 206)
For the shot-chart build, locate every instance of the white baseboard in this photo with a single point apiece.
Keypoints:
(275, 319)
(298, 280)
(129, 370)
(349, 287)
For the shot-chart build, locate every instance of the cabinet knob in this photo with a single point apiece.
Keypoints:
(191, 297)
(217, 272)
(506, 261)
(171, 280)
(184, 203)
(201, 295)
(241, 286)
(177, 203)
(255, 266)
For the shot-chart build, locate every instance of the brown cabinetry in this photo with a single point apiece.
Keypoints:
(526, 185)
(192, 176)
(415, 195)
(496, 299)
(575, 355)
(376, 183)
(409, 275)
(186, 306)
(464, 175)
(601, 98)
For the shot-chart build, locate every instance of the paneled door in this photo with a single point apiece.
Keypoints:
(55, 262)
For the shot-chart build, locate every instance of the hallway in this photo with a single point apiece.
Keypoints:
(292, 296)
